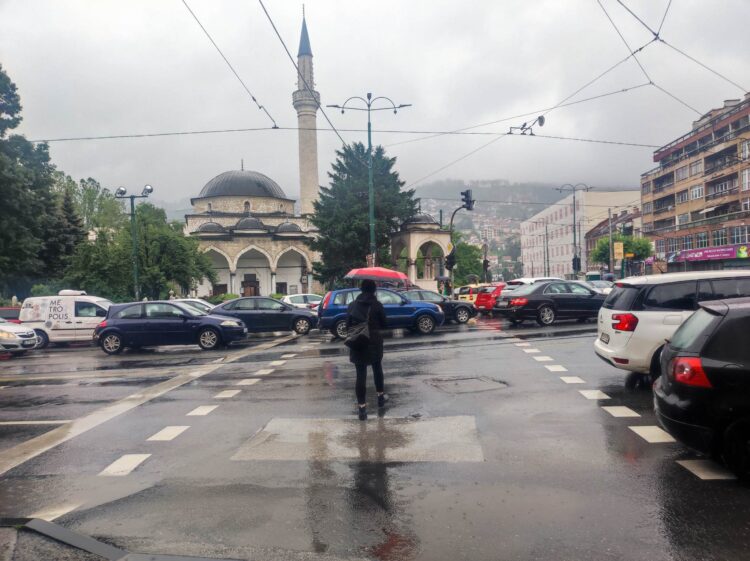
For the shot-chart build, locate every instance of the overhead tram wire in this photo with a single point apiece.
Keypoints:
(229, 64)
(664, 17)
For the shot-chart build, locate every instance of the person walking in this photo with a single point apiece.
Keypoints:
(366, 308)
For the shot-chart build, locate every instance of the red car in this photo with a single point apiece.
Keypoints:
(486, 298)
(10, 314)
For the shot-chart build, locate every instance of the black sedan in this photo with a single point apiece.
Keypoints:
(267, 314)
(148, 324)
(455, 310)
(546, 302)
(703, 394)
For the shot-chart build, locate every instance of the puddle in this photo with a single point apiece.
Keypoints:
(468, 384)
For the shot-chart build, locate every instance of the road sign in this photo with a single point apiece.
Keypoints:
(619, 248)
(630, 255)
(450, 247)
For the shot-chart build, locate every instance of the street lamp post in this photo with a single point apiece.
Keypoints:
(576, 251)
(371, 192)
(121, 193)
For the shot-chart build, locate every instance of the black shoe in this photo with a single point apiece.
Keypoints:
(363, 413)
(381, 400)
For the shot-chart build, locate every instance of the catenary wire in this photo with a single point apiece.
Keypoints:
(643, 23)
(229, 64)
(664, 17)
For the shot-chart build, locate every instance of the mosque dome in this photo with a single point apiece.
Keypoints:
(422, 218)
(250, 223)
(288, 228)
(211, 228)
(242, 183)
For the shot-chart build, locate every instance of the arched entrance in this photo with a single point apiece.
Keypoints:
(253, 273)
(429, 263)
(293, 270)
(221, 265)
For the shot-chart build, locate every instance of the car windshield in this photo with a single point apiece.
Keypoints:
(191, 309)
(104, 304)
(524, 289)
(685, 337)
(197, 304)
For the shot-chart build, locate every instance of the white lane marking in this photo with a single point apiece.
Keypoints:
(277, 362)
(572, 380)
(652, 434)
(531, 351)
(218, 360)
(264, 372)
(706, 469)
(53, 422)
(593, 394)
(620, 411)
(543, 358)
(52, 512)
(555, 368)
(226, 394)
(201, 411)
(247, 382)
(169, 433)
(290, 355)
(124, 465)
(23, 452)
(523, 344)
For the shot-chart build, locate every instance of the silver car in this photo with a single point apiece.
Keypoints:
(15, 338)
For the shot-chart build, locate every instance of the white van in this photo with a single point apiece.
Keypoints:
(70, 316)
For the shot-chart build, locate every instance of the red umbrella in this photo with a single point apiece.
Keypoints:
(376, 274)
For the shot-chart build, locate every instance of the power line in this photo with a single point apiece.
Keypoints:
(699, 63)
(632, 13)
(229, 64)
(664, 17)
(516, 203)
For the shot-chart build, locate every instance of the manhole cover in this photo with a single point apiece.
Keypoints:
(469, 384)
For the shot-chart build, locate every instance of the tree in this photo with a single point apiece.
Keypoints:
(96, 205)
(341, 213)
(468, 260)
(639, 247)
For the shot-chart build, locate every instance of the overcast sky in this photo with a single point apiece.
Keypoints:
(107, 67)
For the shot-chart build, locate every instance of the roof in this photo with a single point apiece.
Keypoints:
(242, 183)
(250, 223)
(422, 218)
(741, 305)
(288, 228)
(677, 277)
(304, 41)
(212, 228)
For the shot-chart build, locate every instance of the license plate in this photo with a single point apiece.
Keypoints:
(604, 338)
(502, 304)
(29, 343)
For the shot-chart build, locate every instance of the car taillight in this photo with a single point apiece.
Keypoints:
(324, 305)
(689, 371)
(624, 322)
(519, 301)
(102, 325)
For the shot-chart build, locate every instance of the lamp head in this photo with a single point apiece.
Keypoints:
(121, 192)
(147, 190)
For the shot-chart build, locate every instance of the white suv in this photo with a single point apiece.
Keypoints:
(641, 313)
(511, 285)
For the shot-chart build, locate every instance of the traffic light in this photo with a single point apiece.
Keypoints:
(576, 264)
(467, 200)
(450, 260)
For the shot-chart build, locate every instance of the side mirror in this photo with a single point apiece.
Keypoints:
(404, 301)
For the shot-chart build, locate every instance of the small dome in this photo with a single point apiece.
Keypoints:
(250, 223)
(242, 183)
(422, 218)
(288, 228)
(212, 228)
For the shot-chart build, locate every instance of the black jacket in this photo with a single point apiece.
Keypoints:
(358, 314)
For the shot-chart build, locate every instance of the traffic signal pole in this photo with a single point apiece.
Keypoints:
(450, 259)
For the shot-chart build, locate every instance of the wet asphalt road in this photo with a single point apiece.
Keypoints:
(487, 450)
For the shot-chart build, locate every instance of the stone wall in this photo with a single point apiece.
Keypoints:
(237, 204)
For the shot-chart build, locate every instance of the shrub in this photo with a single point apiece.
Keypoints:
(219, 298)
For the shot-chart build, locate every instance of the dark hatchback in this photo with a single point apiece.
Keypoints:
(149, 324)
(703, 394)
(454, 310)
(546, 302)
(266, 314)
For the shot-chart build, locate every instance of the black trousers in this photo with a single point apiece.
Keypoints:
(360, 388)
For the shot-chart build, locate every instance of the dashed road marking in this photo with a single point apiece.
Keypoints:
(277, 362)
(51, 513)
(290, 355)
(52, 422)
(620, 411)
(593, 394)
(706, 469)
(226, 394)
(124, 465)
(264, 372)
(169, 433)
(555, 368)
(652, 434)
(543, 358)
(572, 380)
(531, 351)
(201, 411)
(247, 382)
(523, 344)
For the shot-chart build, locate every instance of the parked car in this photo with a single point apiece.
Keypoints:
(16, 339)
(199, 303)
(266, 314)
(487, 297)
(309, 301)
(703, 394)
(469, 292)
(603, 286)
(70, 316)
(148, 324)
(510, 286)
(546, 302)
(10, 314)
(400, 312)
(454, 310)
(641, 312)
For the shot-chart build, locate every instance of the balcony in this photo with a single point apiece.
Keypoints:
(662, 186)
(720, 193)
(663, 209)
(731, 214)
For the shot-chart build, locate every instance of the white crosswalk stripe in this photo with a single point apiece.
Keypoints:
(707, 469)
(124, 465)
(226, 394)
(202, 411)
(247, 382)
(531, 351)
(168, 433)
(593, 394)
(620, 411)
(652, 434)
(555, 368)
(572, 380)
(291, 355)
(264, 372)
(543, 358)
(277, 362)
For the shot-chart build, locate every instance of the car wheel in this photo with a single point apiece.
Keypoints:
(545, 315)
(42, 340)
(302, 326)
(111, 343)
(425, 325)
(736, 449)
(340, 329)
(462, 315)
(209, 339)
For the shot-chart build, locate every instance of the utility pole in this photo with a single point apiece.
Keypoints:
(576, 250)
(121, 193)
(370, 172)
(611, 246)
(546, 250)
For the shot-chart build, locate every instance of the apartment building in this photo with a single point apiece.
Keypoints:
(696, 203)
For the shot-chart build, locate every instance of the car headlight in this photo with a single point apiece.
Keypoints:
(6, 335)
(230, 323)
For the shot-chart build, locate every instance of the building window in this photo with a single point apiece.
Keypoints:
(646, 187)
(683, 218)
(745, 204)
(696, 192)
(682, 196)
(247, 207)
(696, 168)
(719, 237)
(660, 246)
(687, 242)
(673, 244)
(739, 234)
(745, 179)
(648, 227)
(209, 207)
(745, 150)
(701, 240)
(681, 173)
(648, 207)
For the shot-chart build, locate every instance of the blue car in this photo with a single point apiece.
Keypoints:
(400, 312)
(148, 324)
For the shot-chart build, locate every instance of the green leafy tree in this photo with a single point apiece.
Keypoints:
(341, 213)
(639, 247)
(96, 205)
(468, 260)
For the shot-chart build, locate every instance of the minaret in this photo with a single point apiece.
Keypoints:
(306, 101)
